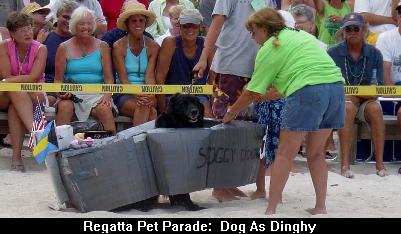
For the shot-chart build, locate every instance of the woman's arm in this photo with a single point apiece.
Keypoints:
(163, 65)
(153, 50)
(106, 63)
(60, 63)
(319, 6)
(119, 53)
(37, 70)
(5, 67)
(210, 41)
(246, 98)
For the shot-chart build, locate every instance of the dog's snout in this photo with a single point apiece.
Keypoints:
(194, 112)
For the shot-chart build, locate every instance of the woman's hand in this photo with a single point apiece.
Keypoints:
(229, 116)
(200, 68)
(335, 19)
(42, 35)
(106, 100)
(64, 96)
(145, 100)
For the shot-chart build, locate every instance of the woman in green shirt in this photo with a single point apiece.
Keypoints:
(294, 64)
(330, 16)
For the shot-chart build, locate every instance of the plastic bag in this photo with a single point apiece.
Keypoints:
(86, 126)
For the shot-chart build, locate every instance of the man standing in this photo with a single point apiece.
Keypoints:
(378, 13)
(389, 45)
(361, 64)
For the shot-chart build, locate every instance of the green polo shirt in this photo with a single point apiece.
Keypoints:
(298, 61)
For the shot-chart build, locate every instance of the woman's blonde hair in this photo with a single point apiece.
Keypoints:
(77, 15)
(269, 19)
(176, 10)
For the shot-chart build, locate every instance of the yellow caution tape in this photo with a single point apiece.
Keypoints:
(387, 91)
(107, 88)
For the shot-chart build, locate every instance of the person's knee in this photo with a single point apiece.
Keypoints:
(374, 113)
(350, 111)
(65, 107)
(103, 111)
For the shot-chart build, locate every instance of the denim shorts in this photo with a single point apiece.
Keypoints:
(315, 107)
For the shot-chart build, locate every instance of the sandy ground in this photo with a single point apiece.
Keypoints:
(367, 195)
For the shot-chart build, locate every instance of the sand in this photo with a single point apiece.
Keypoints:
(367, 195)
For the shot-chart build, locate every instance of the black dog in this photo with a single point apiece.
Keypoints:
(183, 111)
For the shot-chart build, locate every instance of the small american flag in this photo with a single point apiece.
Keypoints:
(39, 123)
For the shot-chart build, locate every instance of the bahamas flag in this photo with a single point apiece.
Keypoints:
(43, 146)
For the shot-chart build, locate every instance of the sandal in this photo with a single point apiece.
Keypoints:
(4, 142)
(17, 165)
(330, 156)
(382, 172)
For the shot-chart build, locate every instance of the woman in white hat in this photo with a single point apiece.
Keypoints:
(134, 58)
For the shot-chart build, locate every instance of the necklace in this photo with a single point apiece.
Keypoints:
(21, 64)
(360, 75)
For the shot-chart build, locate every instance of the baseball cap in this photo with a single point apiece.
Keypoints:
(353, 19)
(190, 16)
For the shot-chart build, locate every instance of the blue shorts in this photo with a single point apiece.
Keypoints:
(315, 107)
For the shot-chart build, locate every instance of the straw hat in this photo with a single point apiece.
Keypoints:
(33, 8)
(135, 9)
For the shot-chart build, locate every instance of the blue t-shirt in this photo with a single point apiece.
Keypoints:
(52, 42)
(366, 70)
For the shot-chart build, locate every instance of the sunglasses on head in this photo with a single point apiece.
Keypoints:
(350, 29)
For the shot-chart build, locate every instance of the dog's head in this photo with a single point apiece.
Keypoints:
(187, 109)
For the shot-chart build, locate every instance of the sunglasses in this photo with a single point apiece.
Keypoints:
(352, 29)
(188, 26)
(66, 17)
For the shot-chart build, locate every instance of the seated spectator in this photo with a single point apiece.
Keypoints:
(41, 27)
(161, 9)
(112, 9)
(178, 56)
(101, 23)
(389, 45)
(22, 60)
(83, 59)
(174, 30)
(305, 19)
(116, 34)
(134, 58)
(331, 13)
(378, 13)
(54, 39)
(361, 64)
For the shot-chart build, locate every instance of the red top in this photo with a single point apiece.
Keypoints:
(111, 10)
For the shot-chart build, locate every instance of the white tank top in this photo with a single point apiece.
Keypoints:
(166, 21)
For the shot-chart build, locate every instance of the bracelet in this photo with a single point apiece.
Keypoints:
(231, 113)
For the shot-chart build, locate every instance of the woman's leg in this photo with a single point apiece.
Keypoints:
(22, 104)
(315, 145)
(287, 150)
(17, 132)
(105, 115)
(65, 112)
(260, 182)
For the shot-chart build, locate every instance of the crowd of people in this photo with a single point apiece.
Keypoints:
(289, 57)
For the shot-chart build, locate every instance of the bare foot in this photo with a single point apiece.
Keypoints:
(295, 169)
(270, 212)
(237, 192)
(258, 195)
(315, 211)
(347, 173)
(223, 196)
